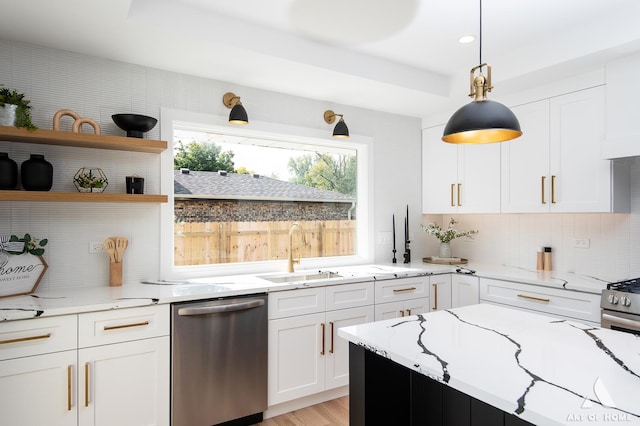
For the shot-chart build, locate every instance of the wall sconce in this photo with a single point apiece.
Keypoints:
(341, 130)
(238, 114)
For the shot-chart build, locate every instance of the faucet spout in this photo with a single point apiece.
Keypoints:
(291, 260)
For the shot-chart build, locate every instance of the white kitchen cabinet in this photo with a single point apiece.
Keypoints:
(124, 367)
(440, 292)
(465, 290)
(38, 370)
(556, 166)
(453, 291)
(305, 355)
(551, 301)
(401, 297)
(459, 178)
(622, 113)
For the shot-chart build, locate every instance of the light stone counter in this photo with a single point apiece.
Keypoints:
(545, 370)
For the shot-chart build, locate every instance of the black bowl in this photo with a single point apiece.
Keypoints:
(134, 124)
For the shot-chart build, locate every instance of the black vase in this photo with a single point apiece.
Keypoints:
(36, 174)
(8, 172)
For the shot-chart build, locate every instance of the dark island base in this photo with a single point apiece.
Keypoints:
(383, 392)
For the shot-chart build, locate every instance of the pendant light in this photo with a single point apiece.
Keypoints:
(341, 131)
(238, 114)
(481, 121)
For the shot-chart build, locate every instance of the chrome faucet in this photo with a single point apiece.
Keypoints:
(292, 261)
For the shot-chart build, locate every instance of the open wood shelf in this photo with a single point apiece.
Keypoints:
(81, 140)
(73, 197)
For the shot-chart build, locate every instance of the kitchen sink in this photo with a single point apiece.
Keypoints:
(299, 276)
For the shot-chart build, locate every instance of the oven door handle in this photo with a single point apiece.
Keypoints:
(627, 323)
(220, 308)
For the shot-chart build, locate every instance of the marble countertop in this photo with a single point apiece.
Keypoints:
(62, 301)
(545, 370)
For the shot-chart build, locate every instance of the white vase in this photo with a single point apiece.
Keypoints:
(8, 115)
(444, 250)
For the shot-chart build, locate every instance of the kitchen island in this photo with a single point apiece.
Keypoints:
(486, 364)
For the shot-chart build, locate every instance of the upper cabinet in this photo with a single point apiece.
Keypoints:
(623, 91)
(557, 166)
(459, 178)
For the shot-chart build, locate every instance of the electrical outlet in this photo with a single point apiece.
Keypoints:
(96, 247)
(581, 243)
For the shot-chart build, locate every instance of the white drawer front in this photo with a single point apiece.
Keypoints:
(38, 336)
(344, 296)
(572, 304)
(402, 289)
(121, 325)
(296, 302)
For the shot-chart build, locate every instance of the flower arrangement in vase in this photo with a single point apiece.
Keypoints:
(446, 236)
(90, 180)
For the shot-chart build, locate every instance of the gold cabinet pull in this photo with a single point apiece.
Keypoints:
(401, 313)
(331, 347)
(322, 327)
(459, 202)
(115, 327)
(542, 179)
(409, 312)
(453, 204)
(402, 290)
(86, 384)
(25, 339)
(539, 299)
(435, 297)
(553, 189)
(69, 388)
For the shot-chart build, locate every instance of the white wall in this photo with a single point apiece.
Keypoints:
(97, 88)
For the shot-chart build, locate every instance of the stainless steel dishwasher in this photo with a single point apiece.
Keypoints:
(219, 361)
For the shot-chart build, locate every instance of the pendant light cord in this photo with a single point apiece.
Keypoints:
(480, 63)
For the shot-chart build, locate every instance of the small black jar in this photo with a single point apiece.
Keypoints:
(36, 173)
(8, 172)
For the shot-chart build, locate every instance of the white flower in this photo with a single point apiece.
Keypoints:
(446, 235)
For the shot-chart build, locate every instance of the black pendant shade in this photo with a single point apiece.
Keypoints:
(341, 130)
(238, 115)
(482, 122)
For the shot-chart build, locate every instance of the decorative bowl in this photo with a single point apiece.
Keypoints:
(134, 124)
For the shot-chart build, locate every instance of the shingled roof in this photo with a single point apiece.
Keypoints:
(221, 185)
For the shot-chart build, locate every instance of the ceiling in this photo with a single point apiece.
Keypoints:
(398, 56)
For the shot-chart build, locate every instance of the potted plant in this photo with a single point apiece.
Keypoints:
(15, 109)
(446, 236)
(90, 180)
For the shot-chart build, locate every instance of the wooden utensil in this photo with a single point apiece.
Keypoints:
(121, 245)
(110, 247)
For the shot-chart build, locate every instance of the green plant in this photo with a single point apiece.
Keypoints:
(23, 110)
(87, 179)
(31, 245)
(449, 234)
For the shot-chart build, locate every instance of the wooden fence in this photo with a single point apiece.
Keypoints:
(231, 242)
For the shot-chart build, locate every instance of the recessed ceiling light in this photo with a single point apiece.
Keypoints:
(466, 39)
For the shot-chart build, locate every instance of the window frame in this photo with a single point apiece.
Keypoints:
(171, 118)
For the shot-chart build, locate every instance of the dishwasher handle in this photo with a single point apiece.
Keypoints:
(220, 308)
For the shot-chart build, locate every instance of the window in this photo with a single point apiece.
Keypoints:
(235, 193)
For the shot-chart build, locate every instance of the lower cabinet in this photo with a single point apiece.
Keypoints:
(102, 368)
(401, 297)
(305, 354)
(453, 291)
(39, 390)
(550, 301)
(125, 383)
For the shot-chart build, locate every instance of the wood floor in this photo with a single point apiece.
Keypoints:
(333, 413)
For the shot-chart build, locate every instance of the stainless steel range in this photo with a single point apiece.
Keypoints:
(620, 305)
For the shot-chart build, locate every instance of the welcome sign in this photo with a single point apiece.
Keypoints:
(21, 274)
